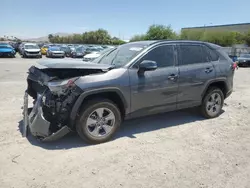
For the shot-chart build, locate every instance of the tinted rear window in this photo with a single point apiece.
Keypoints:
(192, 54)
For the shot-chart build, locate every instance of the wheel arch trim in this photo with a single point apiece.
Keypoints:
(85, 94)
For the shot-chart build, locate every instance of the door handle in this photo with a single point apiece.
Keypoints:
(172, 77)
(208, 70)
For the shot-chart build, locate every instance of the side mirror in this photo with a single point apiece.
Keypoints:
(147, 65)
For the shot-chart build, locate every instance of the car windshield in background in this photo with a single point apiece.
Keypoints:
(79, 50)
(245, 55)
(55, 49)
(31, 47)
(4, 46)
(65, 48)
(121, 55)
(93, 49)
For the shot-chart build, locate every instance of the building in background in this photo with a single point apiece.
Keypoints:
(241, 27)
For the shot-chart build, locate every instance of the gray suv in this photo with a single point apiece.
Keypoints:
(132, 80)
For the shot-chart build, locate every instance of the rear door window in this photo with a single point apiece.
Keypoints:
(192, 54)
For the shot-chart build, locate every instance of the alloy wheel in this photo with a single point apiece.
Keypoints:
(100, 122)
(214, 104)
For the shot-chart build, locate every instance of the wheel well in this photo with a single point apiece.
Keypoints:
(111, 95)
(221, 85)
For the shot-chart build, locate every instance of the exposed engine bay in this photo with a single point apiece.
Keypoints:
(54, 93)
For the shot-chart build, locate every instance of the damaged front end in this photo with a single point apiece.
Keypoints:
(54, 94)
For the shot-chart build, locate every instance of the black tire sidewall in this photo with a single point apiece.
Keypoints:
(81, 123)
(204, 102)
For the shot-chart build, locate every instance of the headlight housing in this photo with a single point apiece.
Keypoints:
(61, 86)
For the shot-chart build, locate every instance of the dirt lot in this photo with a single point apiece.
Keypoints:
(178, 149)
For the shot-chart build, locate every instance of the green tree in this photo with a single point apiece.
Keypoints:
(138, 38)
(247, 38)
(50, 37)
(191, 34)
(158, 32)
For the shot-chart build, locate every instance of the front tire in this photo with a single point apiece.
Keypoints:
(98, 121)
(212, 103)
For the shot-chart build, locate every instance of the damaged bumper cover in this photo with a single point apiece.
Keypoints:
(37, 124)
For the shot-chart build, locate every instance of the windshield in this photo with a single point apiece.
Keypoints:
(245, 55)
(93, 49)
(79, 49)
(30, 46)
(55, 48)
(121, 55)
(5, 46)
(64, 48)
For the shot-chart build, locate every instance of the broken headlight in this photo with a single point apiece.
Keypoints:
(61, 86)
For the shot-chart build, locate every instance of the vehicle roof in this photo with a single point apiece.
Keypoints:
(30, 44)
(152, 42)
(190, 41)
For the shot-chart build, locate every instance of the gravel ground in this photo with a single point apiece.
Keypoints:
(177, 149)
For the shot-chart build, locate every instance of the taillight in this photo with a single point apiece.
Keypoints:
(235, 66)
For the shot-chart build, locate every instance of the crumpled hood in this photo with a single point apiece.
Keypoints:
(71, 64)
(32, 50)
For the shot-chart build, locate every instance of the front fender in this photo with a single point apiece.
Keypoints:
(81, 98)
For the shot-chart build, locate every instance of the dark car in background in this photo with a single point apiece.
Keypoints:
(78, 52)
(15, 45)
(66, 50)
(92, 49)
(244, 60)
(55, 51)
(7, 50)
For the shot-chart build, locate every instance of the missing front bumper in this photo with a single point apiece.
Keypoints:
(36, 123)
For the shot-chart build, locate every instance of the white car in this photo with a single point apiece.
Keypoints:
(31, 50)
(91, 56)
(95, 54)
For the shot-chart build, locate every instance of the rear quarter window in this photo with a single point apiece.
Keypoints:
(223, 55)
(212, 54)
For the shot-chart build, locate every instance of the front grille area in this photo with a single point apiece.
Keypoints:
(33, 52)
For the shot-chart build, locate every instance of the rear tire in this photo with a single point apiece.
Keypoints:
(212, 103)
(98, 121)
